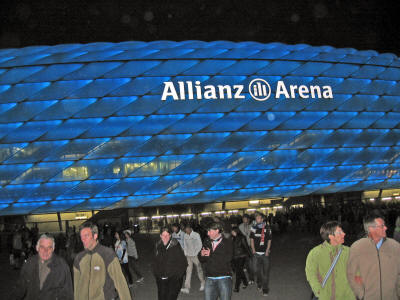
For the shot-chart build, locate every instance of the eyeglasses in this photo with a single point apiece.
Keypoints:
(380, 226)
(339, 232)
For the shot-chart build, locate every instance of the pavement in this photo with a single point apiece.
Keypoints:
(287, 277)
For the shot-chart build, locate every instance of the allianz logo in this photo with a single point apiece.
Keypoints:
(259, 89)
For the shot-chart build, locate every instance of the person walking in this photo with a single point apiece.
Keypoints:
(241, 251)
(132, 258)
(44, 276)
(97, 271)
(169, 265)
(373, 268)
(216, 254)
(326, 265)
(245, 229)
(178, 234)
(18, 247)
(192, 246)
(260, 238)
(122, 254)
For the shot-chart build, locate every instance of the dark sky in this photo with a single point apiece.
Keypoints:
(357, 24)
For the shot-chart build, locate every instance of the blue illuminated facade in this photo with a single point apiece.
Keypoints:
(84, 127)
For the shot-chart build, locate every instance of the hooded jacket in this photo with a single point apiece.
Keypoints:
(97, 274)
(319, 260)
(379, 270)
(57, 286)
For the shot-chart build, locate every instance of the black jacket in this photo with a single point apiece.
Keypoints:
(170, 260)
(240, 247)
(57, 286)
(219, 261)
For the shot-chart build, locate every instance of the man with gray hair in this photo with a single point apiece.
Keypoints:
(44, 276)
(373, 268)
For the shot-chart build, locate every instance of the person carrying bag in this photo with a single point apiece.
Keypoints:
(325, 258)
(313, 297)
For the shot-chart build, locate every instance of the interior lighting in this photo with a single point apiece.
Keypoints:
(156, 217)
(387, 199)
(186, 215)
(205, 214)
(172, 216)
(251, 209)
(142, 218)
(254, 202)
(235, 211)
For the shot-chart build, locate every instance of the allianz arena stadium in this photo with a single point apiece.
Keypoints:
(148, 124)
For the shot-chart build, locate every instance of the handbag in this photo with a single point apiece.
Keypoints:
(313, 297)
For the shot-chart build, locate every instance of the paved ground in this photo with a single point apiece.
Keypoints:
(287, 272)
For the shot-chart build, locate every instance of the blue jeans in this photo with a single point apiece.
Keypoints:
(261, 270)
(218, 287)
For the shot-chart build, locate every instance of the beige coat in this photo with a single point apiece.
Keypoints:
(379, 270)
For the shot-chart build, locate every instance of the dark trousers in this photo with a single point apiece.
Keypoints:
(261, 270)
(168, 289)
(133, 269)
(238, 264)
(125, 270)
(248, 264)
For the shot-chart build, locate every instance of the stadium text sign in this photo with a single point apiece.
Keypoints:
(259, 89)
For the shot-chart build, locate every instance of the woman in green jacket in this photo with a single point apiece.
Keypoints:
(319, 261)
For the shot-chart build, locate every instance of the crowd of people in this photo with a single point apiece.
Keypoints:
(217, 258)
(228, 254)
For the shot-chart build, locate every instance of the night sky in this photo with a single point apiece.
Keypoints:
(362, 25)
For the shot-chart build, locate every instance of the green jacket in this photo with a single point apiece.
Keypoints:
(319, 260)
(97, 274)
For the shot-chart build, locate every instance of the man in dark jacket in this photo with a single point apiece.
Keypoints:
(44, 276)
(169, 266)
(217, 255)
(260, 239)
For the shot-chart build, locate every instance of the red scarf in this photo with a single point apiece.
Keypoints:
(262, 235)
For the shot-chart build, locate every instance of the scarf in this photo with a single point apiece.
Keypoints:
(262, 235)
(216, 242)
